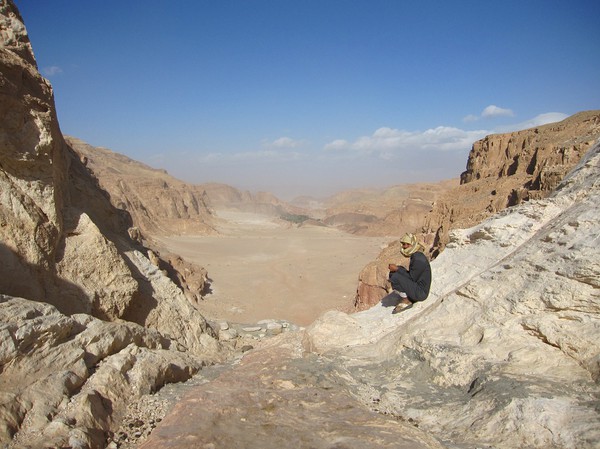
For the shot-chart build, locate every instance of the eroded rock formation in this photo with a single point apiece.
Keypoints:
(502, 170)
(87, 320)
(507, 169)
(157, 202)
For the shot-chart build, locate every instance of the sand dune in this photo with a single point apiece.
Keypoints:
(263, 268)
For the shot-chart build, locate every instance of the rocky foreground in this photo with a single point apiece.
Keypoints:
(94, 324)
(505, 353)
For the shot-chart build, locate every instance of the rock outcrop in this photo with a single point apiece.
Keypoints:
(502, 170)
(87, 320)
(157, 202)
(507, 169)
(505, 352)
(67, 380)
(160, 204)
(276, 398)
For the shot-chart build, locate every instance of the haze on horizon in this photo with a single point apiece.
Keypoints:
(312, 97)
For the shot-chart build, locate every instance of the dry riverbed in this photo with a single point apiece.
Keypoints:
(264, 268)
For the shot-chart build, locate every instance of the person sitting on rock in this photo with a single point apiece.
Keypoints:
(413, 284)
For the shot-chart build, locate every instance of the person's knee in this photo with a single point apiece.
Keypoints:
(419, 298)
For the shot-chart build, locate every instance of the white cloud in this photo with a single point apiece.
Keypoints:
(52, 70)
(495, 111)
(388, 143)
(337, 145)
(538, 120)
(470, 118)
(283, 143)
(543, 119)
(491, 111)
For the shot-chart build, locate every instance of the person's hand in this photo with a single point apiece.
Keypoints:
(393, 267)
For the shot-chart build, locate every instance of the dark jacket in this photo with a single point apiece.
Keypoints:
(416, 281)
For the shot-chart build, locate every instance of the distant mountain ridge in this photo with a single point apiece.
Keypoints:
(161, 204)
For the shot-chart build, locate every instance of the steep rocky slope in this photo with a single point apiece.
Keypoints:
(160, 204)
(504, 354)
(157, 202)
(502, 170)
(89, 317)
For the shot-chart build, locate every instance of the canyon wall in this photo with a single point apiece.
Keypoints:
(156, 202)
(89, 317)
(502, 170)
(506, 169)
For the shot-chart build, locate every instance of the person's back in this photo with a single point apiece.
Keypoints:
(420, 272)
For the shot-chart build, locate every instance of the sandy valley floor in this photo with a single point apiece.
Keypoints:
(264, 269)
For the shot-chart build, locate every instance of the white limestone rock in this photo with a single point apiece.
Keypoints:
(72, 377)
(506, 350)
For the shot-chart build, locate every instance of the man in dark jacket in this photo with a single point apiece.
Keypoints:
(413, 284)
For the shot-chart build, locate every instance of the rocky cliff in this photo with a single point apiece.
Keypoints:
(502, 170)
(89, 317)
(507, 169)
(156, 202)
(160, 204)
(504, 354)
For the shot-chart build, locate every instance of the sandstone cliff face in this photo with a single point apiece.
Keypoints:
(70, 270)
(506, 169)
(157, 202)
(503, 170)
(62, 240)
(33, 166)
(160, 204)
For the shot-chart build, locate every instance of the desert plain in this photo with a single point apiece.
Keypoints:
(262, 268)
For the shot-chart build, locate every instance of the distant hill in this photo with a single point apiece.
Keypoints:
(161, 204)
(157, 202)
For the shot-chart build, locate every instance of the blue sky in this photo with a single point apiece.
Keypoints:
(312, 97)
